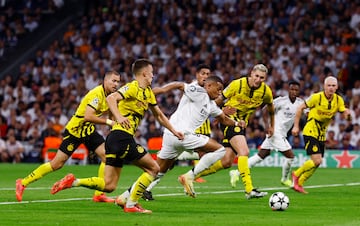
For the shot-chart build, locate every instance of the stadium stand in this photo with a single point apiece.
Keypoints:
(300, 40)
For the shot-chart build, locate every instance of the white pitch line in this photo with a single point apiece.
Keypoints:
(171, 194)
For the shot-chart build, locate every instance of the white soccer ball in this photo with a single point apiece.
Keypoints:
(279, 201)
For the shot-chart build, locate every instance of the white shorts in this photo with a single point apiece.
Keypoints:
(276, 142)
(172, 147)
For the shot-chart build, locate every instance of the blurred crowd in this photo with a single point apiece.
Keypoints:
(297, 40)
(19, 17)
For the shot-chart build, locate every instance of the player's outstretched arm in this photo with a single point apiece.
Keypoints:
(295, 131)
(168, 87)
(112, 101)
(271, 113)
(225, 120)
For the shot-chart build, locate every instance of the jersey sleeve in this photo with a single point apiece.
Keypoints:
(230, 90)
(193, 92)
(277, 103)
(93, 100)
(268, 97)
(126, 90)
(152, 100)
(215, 110)
(312, 100)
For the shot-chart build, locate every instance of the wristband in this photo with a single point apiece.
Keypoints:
(109, 122)
(236, 123)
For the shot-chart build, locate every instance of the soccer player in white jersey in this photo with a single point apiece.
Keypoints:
(195, 106)
(285, 109)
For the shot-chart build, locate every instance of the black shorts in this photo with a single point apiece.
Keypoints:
(70, 143)
(120, 147)
(229, 132)
(314, 146)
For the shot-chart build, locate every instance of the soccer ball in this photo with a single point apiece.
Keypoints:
(279, 201)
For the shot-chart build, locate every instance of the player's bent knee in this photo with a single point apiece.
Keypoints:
(227, 164)
(154, 171)
(109, 188)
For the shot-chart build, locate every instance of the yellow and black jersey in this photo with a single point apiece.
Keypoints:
(96, 99)
(134, 104)
(321, 112)
(205, 128)
(246, 99)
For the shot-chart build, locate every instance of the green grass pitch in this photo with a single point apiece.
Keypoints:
(333, 199)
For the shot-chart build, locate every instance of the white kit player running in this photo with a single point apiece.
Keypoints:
(285, 109)
(195, 106)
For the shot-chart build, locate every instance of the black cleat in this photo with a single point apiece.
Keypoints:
(147, 196)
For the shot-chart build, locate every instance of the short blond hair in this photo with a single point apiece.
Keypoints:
(260, 67)
(330, 78)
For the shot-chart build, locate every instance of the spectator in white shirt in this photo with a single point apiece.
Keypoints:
(14, 150)
(355, 135)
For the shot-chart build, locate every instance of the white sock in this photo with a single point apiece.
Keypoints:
(155, 182)
(253, 160)
(126, 193)
(286, 168)
(207, 160)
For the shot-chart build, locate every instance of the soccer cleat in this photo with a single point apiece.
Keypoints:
(295, 179)
(136, 209)
(19, 189)
(102, 198)
(287, 183)
(200, 180)
(147, 196)
(62, 184)
(255, 194)
(234, 177)
(188, 185)
(300, 189)
(120, 201)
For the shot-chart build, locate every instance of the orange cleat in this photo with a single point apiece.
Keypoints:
(300, 189)
(188, 185)
(200, 180)
(295, 179)
(102, 198)
(136, 209)
(62, 184)
(19, 189)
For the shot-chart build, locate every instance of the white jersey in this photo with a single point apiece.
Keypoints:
(285, 112)
(194, 108)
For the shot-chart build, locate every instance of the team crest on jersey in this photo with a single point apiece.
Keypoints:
(95, 101)
(124, 89)
(192, 88)
(70, 147)
(315, 149)
(237, 129)
(140, 149)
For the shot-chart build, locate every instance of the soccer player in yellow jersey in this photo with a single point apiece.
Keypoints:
(323, 106)
(80, 129)
(245, 95)
(128, 106)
